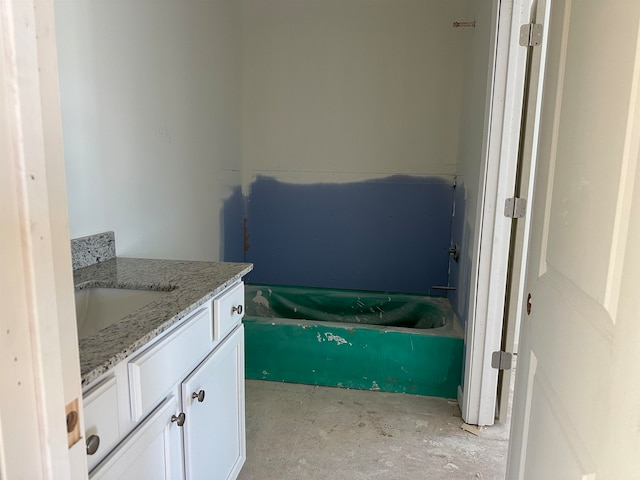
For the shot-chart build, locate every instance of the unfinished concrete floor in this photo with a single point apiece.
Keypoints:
(309, 432)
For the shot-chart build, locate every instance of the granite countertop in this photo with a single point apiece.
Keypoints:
(190, 283)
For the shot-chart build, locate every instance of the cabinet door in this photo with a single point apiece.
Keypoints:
(214, 431)
(152, 451)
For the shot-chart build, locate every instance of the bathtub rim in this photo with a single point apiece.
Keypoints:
(451, 329)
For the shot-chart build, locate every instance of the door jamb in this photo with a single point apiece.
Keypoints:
(503, 119)
(39, 361)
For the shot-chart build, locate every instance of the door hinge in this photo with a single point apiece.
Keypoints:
(531, 35)
(515, 207)
(501, 360)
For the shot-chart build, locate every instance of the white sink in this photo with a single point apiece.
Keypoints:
(97, 308)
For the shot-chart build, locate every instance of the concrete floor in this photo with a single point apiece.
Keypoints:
(307, 432)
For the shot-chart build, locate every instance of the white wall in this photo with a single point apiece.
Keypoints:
(163, 108)
(472, 149)
(151, 118)
(341, 90)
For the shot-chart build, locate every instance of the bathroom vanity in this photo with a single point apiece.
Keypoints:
(163, 386)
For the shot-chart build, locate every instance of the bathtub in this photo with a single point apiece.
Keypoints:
(353, 339)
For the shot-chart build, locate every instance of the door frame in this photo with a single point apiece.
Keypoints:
(503, 117)
(38, 339)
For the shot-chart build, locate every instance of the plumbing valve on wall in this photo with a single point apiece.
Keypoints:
(454, 252)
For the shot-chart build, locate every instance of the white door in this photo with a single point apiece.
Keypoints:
(577, 402)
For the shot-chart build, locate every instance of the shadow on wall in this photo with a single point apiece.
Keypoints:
(231, 227)
(390, 234)
(460, 271)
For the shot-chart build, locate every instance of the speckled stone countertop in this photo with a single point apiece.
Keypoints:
(191, 285)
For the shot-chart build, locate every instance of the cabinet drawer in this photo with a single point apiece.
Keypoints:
(158, 368)
(228, 310)
(101, 418)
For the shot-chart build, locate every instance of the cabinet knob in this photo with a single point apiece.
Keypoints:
(237, 309)
(199, 395)
(93, 442)
(179, 419)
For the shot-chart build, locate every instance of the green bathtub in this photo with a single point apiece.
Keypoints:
(353, 339)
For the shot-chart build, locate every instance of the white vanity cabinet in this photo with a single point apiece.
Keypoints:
(175, 409)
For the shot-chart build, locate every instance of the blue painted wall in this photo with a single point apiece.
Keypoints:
(390, 234)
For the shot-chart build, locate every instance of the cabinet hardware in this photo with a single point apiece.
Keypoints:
(93, 442)
(237, 309)
(199, 395)
(179, 419)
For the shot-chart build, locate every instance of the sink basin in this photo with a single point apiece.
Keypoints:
(97, 308)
